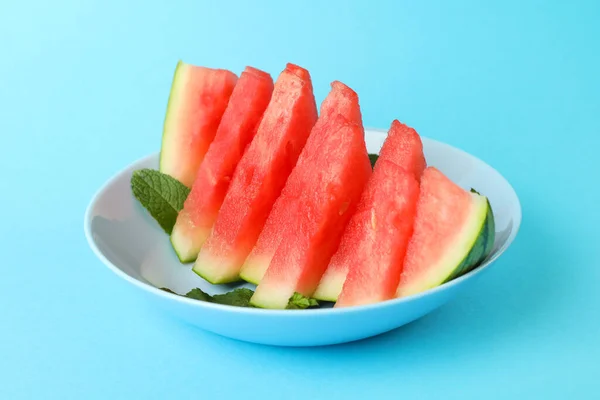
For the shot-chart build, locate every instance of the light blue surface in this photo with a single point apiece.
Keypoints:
(83, 89)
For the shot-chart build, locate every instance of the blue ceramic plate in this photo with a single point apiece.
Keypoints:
(129, 242)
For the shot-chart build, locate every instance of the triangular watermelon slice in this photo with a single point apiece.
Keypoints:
(335, 167)
(260, 176)
(383, 230)
(454, 231)
(403, 148)
(197, 101)
(341, 100)
(247, 104)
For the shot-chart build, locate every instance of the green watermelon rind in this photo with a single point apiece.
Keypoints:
(254, 268)
(202, 269)
(330, 287)
(249, 276)
(481, 248)
(177, 86)
(178, 243)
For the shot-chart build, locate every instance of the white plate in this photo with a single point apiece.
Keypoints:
(128, 241)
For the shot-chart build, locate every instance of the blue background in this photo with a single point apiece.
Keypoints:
(83, 90)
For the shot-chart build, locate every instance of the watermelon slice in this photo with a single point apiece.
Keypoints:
(402, 147)
(197, 102)
(454, 231)
(341, 100)
(247, 104)
(335, 167)
(260, 176)
(376, 246)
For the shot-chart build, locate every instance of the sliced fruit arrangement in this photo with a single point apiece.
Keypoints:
(327, 182)
(454, 231)
(240, 121)
(260, 176)
(291, 201)
(378, 246)
(341, 100)
(197, 102)
(403, 148)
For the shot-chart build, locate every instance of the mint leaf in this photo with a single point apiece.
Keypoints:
(373, 158)
(300, 302)
(198, 294)
(238, 297)
(167, 290)
(160, 194)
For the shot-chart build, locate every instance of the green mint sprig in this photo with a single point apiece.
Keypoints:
(162, 195)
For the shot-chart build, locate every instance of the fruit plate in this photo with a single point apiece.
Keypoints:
(129, 242)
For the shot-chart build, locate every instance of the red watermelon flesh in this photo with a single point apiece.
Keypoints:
(335, 168)
(341, 100)
(197, 102)
(402, 147)
(260, 176)
(380, 239)
(247, 104)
